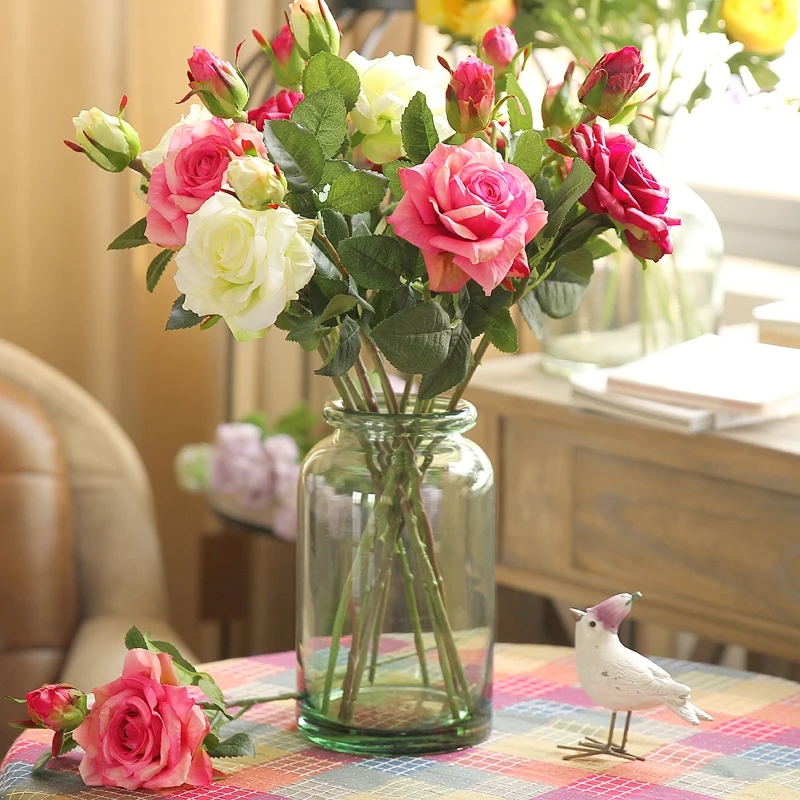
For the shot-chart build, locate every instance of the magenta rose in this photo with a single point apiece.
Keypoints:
(283, 45)
(470, 96)
(626, 190)
(57, 706)
(470, 213)
(498, 47)
(280, 106)
(218, 84)
(612, 81)
(191, 172)
(144, 731)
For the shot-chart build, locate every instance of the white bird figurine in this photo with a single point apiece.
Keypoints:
(621, 679)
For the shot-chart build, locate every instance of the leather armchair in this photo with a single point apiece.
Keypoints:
(80, 558)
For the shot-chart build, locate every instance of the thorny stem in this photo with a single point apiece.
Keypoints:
(331, 251)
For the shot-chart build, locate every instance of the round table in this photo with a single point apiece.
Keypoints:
(750, 751)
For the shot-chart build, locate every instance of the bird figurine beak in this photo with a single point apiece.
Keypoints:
(578, 614)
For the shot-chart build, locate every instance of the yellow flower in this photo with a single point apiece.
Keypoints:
(762, 26)
(466, 19)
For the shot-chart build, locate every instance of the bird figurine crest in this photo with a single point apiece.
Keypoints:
(620, 679)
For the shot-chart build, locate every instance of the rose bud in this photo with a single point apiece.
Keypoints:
(287, 63)
(256, 181)
(470, 96)
(280, 106)
(57, 706)
(313, 27)
(560, 108)
(220, 85)
(498, 48)
(108, 141)
(612, 82)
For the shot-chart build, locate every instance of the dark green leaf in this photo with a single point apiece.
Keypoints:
(323, 113)
(327, 70)
(345, 353)
(180, 317)
(307, 333)
(502, 332)
(334, 226)
(333, 169)
(528, 150)
(134, 639)
(157, 267)
(338, 305)
(577, 235)
(356, 192)
(375, 262)
(296, 151)
(132, 237)
(415, 340)
(41, 763)
(481, 308)
(560, 294)
(532, 314)
(418, 130)
(519, 121)
(238, 745)
(579, 262)
(600, 247)
(323, 263)
(168, 647)
(453, 369)
(580, 178)
(302, 203)
(390, 171)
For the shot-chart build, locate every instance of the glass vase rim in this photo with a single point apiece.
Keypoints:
(458, 420)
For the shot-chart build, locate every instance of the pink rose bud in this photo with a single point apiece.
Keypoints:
(560, 108)
(57, 706)
(470, 96)
(612, 82)
(280, 106)
(287, 63)
(220, 85)
(498, 48)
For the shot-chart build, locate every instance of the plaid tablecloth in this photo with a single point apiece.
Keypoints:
(751, 751)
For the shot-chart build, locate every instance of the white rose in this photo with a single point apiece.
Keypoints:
(242, 264)
(256, 181)
(387, 86)
(116, 143)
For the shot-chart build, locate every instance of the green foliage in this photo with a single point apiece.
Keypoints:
(580, 234)
(532, 314)
(579, 262)
(302, 203)
(132, 237)
(180, 317)
(481, 308)
(334, 225)
(134, 639)
(415, 340)
(376, 261)
(454, 367)
(344, 352)
(390, 171)
(307, 332)
(296, 151)
(324, 114)
(519, 120)
(527, 150)
(236, 746)
(157, 267)
(418, 130)
(356, 192)
(502, 332)
(580, 178)
(325, 70)
(333, 169)
(338, 305)
(561, 293)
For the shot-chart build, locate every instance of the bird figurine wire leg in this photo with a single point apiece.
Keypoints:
(620, 679)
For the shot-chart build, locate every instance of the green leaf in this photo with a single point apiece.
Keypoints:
(133, 237)
(600, 247)
(326, 70)
(302, 203)
(210, 322)
(296, 151)
(502, 332)
(519, 121)
(238, 745)
(334, 226)
(168, 647)
(453, 369)
(345, 354)
(532, 314)
(180, 317)
(390, 169)
(577, 235)
(134, 639)
(41, 763)
(415, 340)
(338, 305)
(527, 152)
(418, 130)
(307, 333)
(323, 113)
(208, 686)
(376, 261)
(157, 267)
(333, 169)
(356, 192)
(322, 262)
(579, 262)
(22, 702)
(560, 294)
(481, 309)
(580, 178)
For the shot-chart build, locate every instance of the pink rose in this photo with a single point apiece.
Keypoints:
(612, 81)
(191, 172)
(57, 706)
(280, 106)
(143, 731)
(471, 214)
(470, 96)
(283, 45)
(498, 48)
(625, 189)
(218, 84)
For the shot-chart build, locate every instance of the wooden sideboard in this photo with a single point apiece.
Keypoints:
(706, 526)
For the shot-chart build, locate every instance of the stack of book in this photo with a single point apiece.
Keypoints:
(708, 383)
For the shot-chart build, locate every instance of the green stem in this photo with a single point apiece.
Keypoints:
(376, 633)
(366, 386)
(252, 701)
(406, 393)
(383, 375)
(411, 599)
(331, 251)
(476, 360)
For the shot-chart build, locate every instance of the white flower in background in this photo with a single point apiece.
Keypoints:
(242, 264)
(256, 181)
(192, 467)
(387, 86)
(116, 143)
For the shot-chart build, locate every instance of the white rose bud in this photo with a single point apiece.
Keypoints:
(256, 181)
(108, 141)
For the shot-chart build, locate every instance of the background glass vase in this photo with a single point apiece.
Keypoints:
(396, 584)
(628, 312)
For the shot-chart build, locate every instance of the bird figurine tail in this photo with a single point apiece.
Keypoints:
(686, 711)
